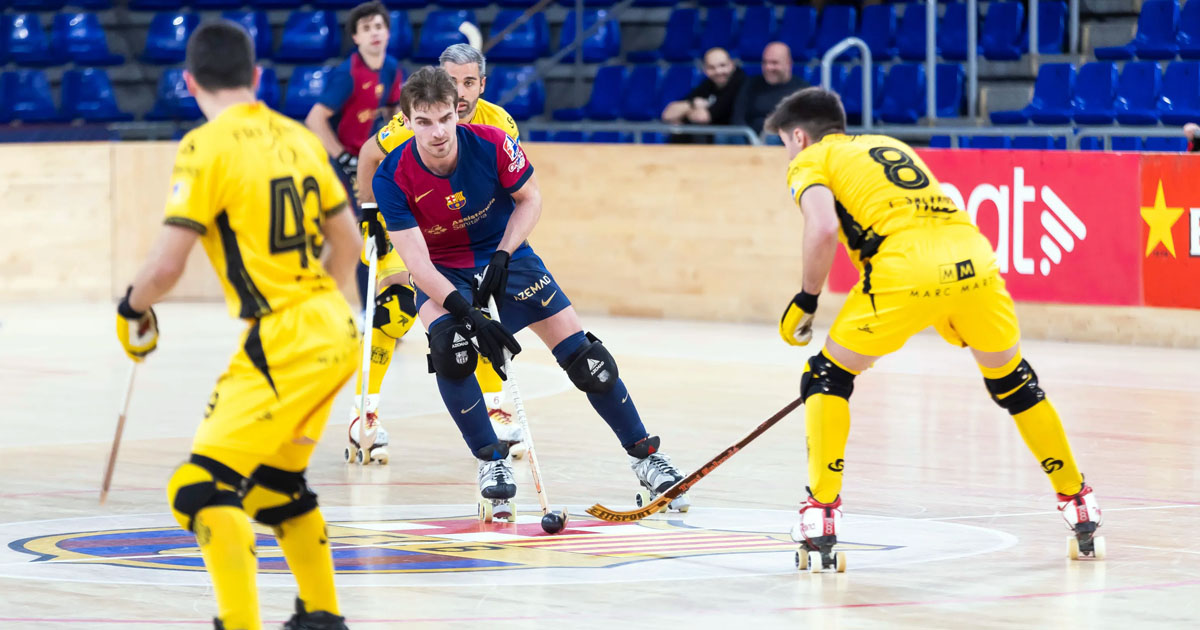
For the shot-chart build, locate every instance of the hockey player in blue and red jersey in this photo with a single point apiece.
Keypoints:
(459, 201)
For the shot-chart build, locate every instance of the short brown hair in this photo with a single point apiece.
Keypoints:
(816, 110)
(220, 56)
(364, 11)
(427, 86)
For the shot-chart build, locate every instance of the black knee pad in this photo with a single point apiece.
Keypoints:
(451, 354)
(202, 482)
(825, 377)
(592, 369)
(278, 495)
(395, 310)
(1018, 391)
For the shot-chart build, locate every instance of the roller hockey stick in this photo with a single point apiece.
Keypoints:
(368, 323)
(685, 484)
(552, 522)
(106, 483)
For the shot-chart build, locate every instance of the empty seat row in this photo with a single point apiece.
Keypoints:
(1002, 36)
(87, 95)
(1163, 32)
(638, 95)
(74, 37)
(1052, 143)
(159, 5)
(55, 5)
(1098, 95)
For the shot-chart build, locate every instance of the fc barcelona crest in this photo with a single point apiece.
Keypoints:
(456, 201)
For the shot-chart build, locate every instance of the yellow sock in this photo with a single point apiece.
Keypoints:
(489, 381)
(827, 423)
(382, 349)
(227, 544)
(305, 545)
(1042, 430)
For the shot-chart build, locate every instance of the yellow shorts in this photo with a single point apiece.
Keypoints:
(280, 385)
(953, 284)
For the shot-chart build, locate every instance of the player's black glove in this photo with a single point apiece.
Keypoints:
(349, 165)
(494, 280)
(372, 226)
(491, 339)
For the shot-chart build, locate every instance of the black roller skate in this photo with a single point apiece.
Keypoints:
(319, 620)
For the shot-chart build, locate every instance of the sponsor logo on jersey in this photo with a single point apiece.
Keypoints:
(434, 230)
(456, 201)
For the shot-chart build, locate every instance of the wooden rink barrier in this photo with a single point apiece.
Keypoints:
(633, 230)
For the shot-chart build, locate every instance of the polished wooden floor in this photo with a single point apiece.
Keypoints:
(954, 523)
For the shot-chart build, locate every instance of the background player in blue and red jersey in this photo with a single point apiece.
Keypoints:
(349, 110)
(459, 201)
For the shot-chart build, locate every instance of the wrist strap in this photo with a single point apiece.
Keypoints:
(806, 301)
(457, 305)
(125, 310)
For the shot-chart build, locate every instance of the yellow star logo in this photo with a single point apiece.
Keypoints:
(1161, 219)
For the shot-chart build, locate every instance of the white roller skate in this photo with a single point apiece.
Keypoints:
(372, 447)
(656, 474)
(496, 490)
(1081, 511)
(508, 431)
(817, 533)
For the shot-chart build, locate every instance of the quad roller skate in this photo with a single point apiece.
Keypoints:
(319, 620)
(496, 490)
(508, 431)
(656, 474)
(1081, 511)
(373, 447)
(817, 533)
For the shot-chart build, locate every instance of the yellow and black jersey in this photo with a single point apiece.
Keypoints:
(395, 133)
(257, 185)
(881, 187)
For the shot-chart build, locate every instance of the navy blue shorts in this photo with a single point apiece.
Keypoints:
(531, 296)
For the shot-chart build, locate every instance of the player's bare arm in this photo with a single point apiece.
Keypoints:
(342, 246)
(369, 159)
(820, 236)
(528, 210)
(317, 122)
(163, 267)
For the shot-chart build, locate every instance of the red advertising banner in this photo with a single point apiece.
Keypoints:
(1061, 222)
(1170, 212)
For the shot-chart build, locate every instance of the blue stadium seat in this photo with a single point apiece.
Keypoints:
(421, 4)
(400, 44)
(25, 96)
(95, 5)
(636, 3)
(255, 23)
(26, 41)
(679, 41)
(1188, 36)
(36, 5)
(758, 23)
(529, 41)
(952, 32)
(949, 97)
(565, 3)
(605, 99)
(904, 93)
(309, 36)
(156, 5)
(173, 102)
(838, 21)
(676, 82)
(852, 93)
(878, 30)
(566, 136)
(166, 40)
(1039, 143)
(1051, 103)
(797, 29)
(530, 101)
(1137, 93)
(987, 142)
(303, 90)
(208, 5)
(639, 94)
(1003, 28)
(1180, 100)
(1122, 143)
(610, 137)
(940, 142)
(537, 135)
(280, 4)
(341, 5)
(720, 26)
(441, 31)
(88, 94)
(1052, 28)
(1091, 143)
(1156, 34)
(1095, 93)
(911, 37)
(1166, 145)
(268, 88)
(603, 45)
(837, 74)
(80, 37)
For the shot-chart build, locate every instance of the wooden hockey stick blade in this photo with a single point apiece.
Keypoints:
(683, 485)
(106, 483)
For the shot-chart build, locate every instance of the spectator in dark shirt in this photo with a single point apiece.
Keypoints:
(759, 95)
(1191, 130)
(711, 102)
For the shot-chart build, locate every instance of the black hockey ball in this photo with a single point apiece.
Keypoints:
(552, 523)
